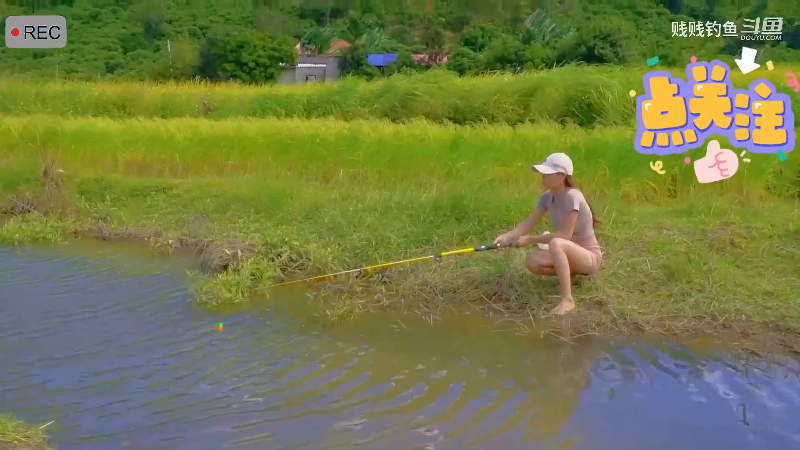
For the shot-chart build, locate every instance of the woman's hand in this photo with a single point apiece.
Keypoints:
(524, 241)
(506, 239)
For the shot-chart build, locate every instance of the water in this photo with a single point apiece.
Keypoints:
(106, 344)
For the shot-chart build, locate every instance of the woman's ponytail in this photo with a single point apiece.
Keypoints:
(568, 183)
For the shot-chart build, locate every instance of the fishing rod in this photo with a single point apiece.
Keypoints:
(368, 269)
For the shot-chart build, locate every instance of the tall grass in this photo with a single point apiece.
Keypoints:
(17, 435)
(585, 96)
(269, 199)
(373, 156)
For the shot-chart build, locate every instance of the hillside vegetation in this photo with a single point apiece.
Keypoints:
(247, 41)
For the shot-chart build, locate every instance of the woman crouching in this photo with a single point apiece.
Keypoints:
(572, 248)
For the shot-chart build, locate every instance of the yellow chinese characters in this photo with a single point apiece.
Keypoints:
(680, 115)
(666, 110)
(770, 128)
(712, 100)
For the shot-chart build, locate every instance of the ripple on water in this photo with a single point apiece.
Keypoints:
(123, 360)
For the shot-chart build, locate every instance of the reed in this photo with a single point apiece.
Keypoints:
(581, 95)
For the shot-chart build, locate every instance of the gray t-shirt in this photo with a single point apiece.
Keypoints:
(558, 206)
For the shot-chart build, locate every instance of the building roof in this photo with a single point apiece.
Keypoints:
(337, 46)
(381, 59)
(425, 59)
(311, 61)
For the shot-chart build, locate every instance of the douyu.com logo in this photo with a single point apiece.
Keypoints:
(36, 32)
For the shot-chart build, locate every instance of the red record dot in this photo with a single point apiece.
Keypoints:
(14, 32)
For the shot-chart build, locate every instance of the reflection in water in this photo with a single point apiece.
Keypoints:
(120, 359)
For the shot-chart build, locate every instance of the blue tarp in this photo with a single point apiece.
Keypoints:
(381, 59)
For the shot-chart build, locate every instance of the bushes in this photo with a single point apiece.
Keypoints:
(249, 57)
(583, 95)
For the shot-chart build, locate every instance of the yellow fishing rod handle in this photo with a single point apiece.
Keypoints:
(492, 246)
(456, 252)
(479, 248)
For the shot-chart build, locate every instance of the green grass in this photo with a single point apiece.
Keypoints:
(276, 199)
(586, 96)
(370, 158)
(17, 435)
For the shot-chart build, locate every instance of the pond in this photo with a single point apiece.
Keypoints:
(104, 341)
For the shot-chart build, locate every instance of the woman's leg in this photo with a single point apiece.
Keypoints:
(568, 258)
(539, 262)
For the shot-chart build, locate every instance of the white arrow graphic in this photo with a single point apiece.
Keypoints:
(748, 62)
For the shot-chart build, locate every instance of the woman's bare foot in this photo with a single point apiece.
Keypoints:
(566, 305)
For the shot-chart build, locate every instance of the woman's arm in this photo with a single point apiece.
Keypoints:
(530, 222)
(511, 237)
(565, 233)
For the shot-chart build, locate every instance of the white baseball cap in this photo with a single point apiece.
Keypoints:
(555, 163)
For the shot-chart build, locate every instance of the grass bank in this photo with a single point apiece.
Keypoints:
(265, 200)
(17, 435)
(586, 96)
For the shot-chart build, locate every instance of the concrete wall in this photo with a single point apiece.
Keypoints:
(287, 76)
(312, 69)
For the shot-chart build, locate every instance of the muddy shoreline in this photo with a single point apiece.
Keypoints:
(594, 317)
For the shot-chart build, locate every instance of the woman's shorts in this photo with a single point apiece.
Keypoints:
(597, 260)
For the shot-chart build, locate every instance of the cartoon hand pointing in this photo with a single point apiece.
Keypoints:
(718, 164)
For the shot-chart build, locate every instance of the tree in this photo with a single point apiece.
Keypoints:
(540, 28)
(373, 41)
(434, 37)
(250, 57)
(151, 16)
(274, 21)
(464, 61)
(538, 57)
(600, 41)
(357, 25)
(318, 40)
(401, 34)
(793, 38)
(404, 64)
(179, 61)
(477, 37)
(355, 62)
(504, 53)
